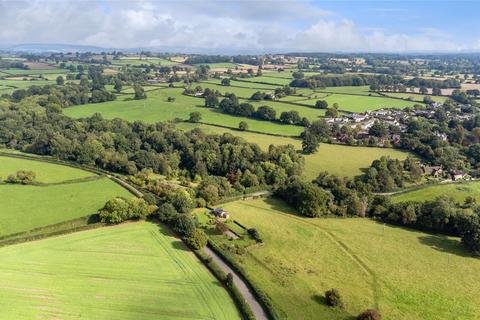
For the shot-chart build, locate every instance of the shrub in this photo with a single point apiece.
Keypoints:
(184, 224)
(370, 314)
(196, 240)
(118, 210)
(22, 177)
(167, 213)
(229, 280)
(255, 235)
(333, 298)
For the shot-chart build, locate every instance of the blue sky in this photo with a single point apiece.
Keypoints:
(247, 25)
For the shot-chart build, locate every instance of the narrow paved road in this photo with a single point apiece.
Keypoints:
(241, 285)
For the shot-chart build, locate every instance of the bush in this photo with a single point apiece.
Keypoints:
(184, 224)
(167, 213)
(197, 240)
(370, 314)
(255, 235)
(120, 209)
(333, 298)
(22, 177)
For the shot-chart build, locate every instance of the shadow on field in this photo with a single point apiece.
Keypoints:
(319, 299)
(177, 244)
(444, 244)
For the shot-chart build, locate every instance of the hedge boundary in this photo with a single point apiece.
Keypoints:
(261, 296)
(234, 292)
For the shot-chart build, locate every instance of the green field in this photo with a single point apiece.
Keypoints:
(458, 191)
(27, 207)
(219, 65)
(362, 103)
(26, 72)
(132, 271)
(414, 96)
(360, 90)
(156, 108)
(45, 172)
(345, 160)
(405, 274)
(270, 80)
(138, 61)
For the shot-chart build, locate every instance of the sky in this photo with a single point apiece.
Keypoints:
(246, 26)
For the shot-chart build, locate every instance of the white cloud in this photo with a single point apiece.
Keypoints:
(224, 25)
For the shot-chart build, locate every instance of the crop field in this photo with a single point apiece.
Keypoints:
(45, 172)
(458, 191)
(156, 108)
(427, 277)
(131, 271)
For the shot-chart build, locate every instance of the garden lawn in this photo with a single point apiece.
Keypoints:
(156, 108)
(406, 274)
(128, 272)
(458, 191)
(45, 172)
(25, 207)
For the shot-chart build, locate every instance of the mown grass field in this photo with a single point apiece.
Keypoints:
(156, 108)
(406, 274)
(132, 271)
(458, 191)
(345, 161)
(362, 103)
(25, 207)
(414, 96)
(45, 172)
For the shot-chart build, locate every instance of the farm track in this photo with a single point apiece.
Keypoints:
(240, 284)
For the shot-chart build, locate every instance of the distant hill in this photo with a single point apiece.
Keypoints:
(46, 47)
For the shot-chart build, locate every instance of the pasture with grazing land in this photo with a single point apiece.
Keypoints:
(133, 271)
(458, 191)
(25, 207)
(156, 108)
(428, 277)
(45, 172)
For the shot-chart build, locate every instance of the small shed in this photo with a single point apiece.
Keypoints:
(220, 213)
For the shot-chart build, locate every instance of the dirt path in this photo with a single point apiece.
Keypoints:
(241, 285)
